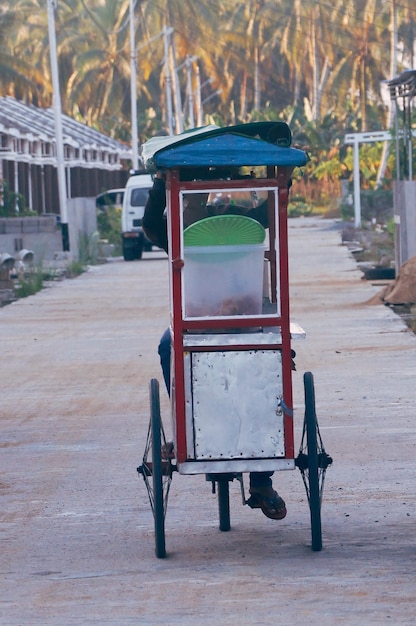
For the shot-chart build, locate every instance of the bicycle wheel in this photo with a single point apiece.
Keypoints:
(312, 461)
(158, 508)
(157, 472)
(312, 445)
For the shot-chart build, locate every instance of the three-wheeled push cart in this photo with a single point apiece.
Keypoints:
(230, 333)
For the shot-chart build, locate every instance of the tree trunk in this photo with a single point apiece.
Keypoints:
(256, 80)
(243, 97)
(391, 108)
(363, 98)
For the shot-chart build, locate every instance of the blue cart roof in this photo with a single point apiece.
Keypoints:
(258, 143)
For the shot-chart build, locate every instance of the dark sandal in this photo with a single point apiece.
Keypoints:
(168, 451)
(273, 508)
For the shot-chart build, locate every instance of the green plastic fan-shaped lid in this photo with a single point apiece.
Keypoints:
(224, 230)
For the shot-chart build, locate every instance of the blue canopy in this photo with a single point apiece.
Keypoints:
(258, 143)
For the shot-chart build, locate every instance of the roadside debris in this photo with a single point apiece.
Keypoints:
(401, 291)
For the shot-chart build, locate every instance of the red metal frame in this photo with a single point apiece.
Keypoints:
(275, 178)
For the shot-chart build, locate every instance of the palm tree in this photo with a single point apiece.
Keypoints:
(195, 34)
(99, 80)
(21, 75)
(277, 53)
(407, 32)
(361, 58)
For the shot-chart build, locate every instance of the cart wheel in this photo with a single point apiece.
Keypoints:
(312, 461)
(160, 468)
(224, 503)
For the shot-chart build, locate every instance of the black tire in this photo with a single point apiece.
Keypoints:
(158, 512)
(128, 254)
(138, 250)
(311, 426)
(132, 249)
(223, 485)
(157, 468)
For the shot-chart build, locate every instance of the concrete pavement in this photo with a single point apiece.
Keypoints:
(76, 528)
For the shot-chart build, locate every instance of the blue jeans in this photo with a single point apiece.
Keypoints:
(257, 479)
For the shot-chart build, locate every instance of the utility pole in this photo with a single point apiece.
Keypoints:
(133, 91)
(198, 104)
(176, 92)
(59, 139)
(189, 61)
(166, 34)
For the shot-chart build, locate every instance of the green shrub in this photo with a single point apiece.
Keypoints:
(74, 269)
(29, 283)
(376, 206)
(11, 203)
(299, 208)
(109, 227)
(88, 248)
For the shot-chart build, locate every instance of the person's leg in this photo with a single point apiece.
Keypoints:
(260, 479)
(264, 497)
(164, 354)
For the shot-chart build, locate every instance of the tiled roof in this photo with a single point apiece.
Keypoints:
(22, 121)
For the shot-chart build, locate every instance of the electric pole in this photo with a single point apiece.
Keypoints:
(166, 34)
(59, 139)
(133, 90)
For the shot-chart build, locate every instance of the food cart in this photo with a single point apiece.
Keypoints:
(227, 193)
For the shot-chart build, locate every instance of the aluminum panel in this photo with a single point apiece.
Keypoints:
(235, 465)
(266, 337)
(235, 404)
(229, 339)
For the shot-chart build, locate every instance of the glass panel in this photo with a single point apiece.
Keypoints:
(225, 236)
(199, 205)
(139, 196)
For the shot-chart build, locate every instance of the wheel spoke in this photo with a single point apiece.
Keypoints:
(157, 468)
(302, 463)
(167, 467)
(312, 461)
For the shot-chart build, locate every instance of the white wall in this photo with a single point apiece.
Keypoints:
(43, 235)
(82, 220)
(404, 221)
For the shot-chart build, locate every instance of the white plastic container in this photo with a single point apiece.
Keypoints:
(223, 280)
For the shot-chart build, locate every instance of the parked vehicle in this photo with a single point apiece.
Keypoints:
(112, 197)
(134, 240)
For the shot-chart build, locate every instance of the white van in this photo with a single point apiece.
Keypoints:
(111, 197)
(133, 238)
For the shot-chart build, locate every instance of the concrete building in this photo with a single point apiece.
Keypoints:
(94, 163)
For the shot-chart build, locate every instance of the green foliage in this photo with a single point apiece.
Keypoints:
(347, 211)
(75, 268)
(12, 203)
(321, 100)
(390, 227)
(370, 156)
(93, 48)
(87, 249)
(331, 169)
(299, 207)
(29, 283)
(109, 227)
(376, 206)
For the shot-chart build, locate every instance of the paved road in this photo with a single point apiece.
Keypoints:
(76, 529)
